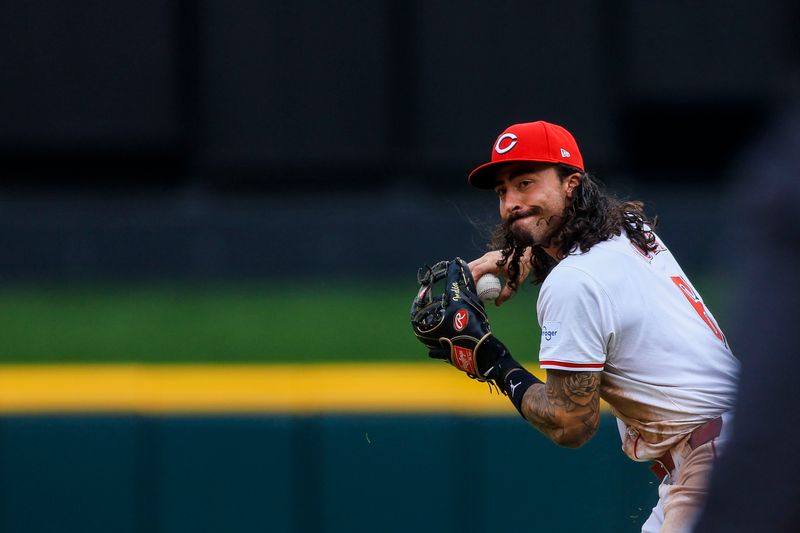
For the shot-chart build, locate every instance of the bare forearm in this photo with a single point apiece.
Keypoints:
(566, 408)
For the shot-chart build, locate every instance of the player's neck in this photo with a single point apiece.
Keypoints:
(553, 251)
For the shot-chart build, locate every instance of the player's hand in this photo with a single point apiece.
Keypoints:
(487, 264)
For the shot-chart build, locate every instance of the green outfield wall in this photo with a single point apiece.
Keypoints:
(327, 473)
(295, 321)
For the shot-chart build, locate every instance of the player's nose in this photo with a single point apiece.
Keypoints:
(511, 202)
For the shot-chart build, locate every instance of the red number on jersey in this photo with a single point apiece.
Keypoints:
(698, 305)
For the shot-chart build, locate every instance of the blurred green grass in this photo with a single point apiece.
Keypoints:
(236, 323)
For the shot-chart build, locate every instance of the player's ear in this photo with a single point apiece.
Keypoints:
(571, 182)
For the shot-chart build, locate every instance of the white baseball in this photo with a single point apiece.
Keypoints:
(488, 287)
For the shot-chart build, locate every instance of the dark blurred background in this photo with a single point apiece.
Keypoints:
(210, 139)
(257, 182)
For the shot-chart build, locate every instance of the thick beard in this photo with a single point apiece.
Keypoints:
(524, 238)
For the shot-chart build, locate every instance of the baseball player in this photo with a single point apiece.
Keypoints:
(620, 320)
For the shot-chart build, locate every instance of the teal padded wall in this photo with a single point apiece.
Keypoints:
(303, 474)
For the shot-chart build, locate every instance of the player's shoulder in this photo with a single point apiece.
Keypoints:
(618, 250)
(574, 285)
(605, 264)
(599, 256)
(569, 277)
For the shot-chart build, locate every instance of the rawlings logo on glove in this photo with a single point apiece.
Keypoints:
(461, 319)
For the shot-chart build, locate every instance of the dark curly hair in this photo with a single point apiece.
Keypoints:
(590, 217)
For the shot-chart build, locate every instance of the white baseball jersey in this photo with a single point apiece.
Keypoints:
(666, 364)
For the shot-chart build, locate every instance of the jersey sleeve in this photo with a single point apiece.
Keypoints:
(577, 318)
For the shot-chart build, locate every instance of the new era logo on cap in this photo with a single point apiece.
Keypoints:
(538, 141)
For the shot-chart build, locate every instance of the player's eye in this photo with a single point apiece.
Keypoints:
(500, 192)
(524, 183)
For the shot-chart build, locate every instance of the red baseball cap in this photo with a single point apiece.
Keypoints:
(530, 141)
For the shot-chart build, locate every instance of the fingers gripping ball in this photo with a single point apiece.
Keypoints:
(454, 326)
(488, 288)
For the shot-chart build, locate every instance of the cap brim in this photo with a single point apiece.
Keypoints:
(483, 177)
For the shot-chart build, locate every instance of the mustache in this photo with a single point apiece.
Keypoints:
(516, 215)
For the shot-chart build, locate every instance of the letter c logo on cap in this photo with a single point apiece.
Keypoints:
(509, 146)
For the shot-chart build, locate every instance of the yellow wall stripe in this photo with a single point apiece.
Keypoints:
(312, 388)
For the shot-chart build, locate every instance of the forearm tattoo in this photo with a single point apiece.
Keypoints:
(566, 408)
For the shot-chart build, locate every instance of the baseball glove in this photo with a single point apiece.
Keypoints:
(454, 326)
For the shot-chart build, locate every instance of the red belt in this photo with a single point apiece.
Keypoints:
(703, 434)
